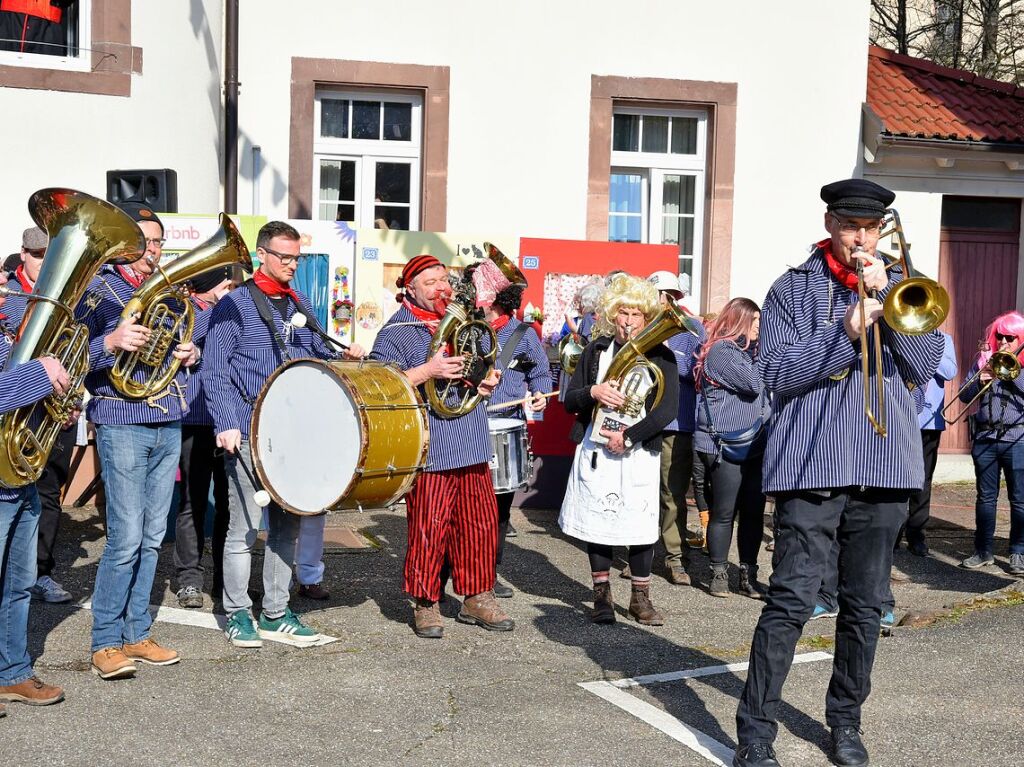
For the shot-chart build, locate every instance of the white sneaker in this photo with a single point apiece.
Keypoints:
(48, 590)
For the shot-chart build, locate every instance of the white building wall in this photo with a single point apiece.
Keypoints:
(520, 101)
(171, 120)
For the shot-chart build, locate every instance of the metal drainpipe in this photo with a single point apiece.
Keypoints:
(231, 106)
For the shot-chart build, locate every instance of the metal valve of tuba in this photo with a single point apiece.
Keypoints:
(85, 233)
(161, 304)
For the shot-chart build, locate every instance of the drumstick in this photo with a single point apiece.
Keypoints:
(515, 403)
(261, 497)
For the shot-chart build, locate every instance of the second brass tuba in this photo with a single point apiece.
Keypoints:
(629, 362)
(162, 305)
(463, 331)
(85, 233)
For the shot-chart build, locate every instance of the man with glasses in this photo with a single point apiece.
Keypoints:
(834, 479)
(251, 333)
(58, 465)
(138, 441)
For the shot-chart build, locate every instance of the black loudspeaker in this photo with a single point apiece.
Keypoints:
(155, 187)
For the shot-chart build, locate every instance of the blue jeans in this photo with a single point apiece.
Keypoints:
(139, 464)
(19, 524)
(991, 458)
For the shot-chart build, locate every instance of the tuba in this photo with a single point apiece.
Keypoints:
(570, 349)
(85, 233)
(629, 363)
(161, 304)
(462, 331)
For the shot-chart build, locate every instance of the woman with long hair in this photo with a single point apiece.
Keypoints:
(997, 447)
(612, 498)
(732, 406)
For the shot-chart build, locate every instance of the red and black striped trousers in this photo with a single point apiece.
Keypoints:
(451, 513)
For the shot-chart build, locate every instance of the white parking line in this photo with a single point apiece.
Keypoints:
(699, 742)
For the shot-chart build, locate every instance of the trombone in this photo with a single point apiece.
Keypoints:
(1005, 366)
(916, 305)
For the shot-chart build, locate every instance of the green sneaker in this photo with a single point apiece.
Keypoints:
(288, 629)
(241, 630)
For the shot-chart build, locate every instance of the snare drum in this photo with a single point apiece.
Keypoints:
(338, 435)
(511, 461)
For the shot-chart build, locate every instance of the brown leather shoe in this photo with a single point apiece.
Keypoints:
(604, 605)
(482, 609)
(32, 692)
(148, 651)
(641, 607)
(677, 574)
(427, 620)
(314, 591)
(112, 663)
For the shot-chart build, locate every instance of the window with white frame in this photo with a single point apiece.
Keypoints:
(62, 44)
(656, 187)
(367, 153)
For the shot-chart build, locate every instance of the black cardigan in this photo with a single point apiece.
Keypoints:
(648, 430)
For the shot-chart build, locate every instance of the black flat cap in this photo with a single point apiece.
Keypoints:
(139, 212)
(857, 198)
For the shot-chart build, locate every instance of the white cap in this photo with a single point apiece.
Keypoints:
(667, 282)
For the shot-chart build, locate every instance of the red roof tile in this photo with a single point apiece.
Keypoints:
(918, 99)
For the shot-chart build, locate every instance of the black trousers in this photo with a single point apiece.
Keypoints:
(865, 523)
(50, 484)
(921, 501)
(199, 467)
(736, 495)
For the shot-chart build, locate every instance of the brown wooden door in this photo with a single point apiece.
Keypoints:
(979, 269)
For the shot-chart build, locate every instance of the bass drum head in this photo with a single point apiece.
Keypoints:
(306, 437)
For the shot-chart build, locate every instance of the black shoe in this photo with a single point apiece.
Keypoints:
(510, 532)
(502, 590)
(755, 755)
(918, 548)
(847, 747)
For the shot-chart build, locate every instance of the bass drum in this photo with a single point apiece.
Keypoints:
(332, 435)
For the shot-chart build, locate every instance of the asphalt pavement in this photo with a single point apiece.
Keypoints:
(946, 687)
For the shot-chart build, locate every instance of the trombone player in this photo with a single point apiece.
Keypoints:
(835, 477)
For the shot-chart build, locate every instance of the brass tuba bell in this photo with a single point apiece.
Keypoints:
(85, 233)
(162, 305)
(570, 349)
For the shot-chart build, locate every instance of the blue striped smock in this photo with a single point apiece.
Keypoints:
(454, 442)
(21, 386)
(683, 346)
(734, 392)
(1000, 414)
(100, 311)
(528, 370)
(198, 414)
(240, 354)
(819, 436)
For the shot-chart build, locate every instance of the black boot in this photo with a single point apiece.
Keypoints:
(604, 607)
(755, 755)
(847, 747)
(719, 581)
(748, 585)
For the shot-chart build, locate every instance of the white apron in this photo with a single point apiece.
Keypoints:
(612, 499)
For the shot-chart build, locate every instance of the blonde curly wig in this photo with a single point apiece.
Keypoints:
(625, 290)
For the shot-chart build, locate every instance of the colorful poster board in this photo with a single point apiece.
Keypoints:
(380, 255)
(336, 240)
(186, 231)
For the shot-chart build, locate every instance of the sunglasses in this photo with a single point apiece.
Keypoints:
(1007, 339)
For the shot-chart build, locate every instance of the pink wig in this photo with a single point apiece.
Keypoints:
(1009, 324)
(734, 321)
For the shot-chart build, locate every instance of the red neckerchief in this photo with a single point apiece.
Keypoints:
(428, 317)
(203, 306)
(842, 272)
(133, 278)
(272, 287)
(500, 322)
(23, 278)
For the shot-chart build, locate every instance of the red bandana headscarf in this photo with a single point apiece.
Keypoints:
(272, 287)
